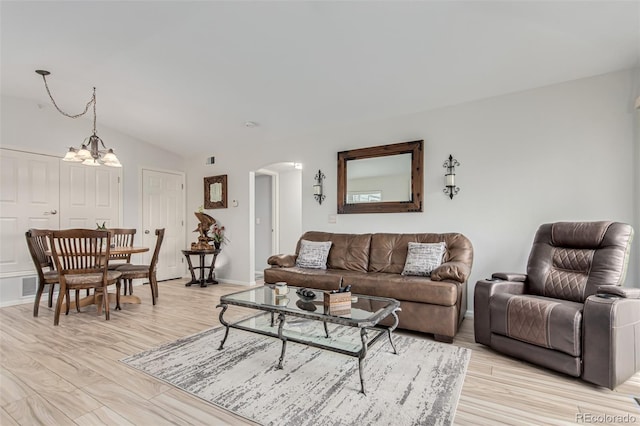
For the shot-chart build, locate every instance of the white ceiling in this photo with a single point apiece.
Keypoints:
(187, 75)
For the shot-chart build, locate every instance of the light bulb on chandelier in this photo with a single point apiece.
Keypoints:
(93, 151)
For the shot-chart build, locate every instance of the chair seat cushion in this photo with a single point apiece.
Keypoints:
(50, 277)
(114, 265)
(129, 267)
(79, 279)
(542, 321)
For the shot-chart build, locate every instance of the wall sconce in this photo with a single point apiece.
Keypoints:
(317, 188)
(450, 187)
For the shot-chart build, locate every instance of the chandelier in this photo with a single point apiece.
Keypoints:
(93, 151)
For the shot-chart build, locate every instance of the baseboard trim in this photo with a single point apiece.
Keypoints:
(242, 283)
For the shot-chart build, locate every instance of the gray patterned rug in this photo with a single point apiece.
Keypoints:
(419, 386)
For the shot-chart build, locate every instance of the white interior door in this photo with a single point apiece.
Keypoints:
(163, 207)
(29, 197)
(89, 196)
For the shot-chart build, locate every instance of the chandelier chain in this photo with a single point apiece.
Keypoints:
(89, 152)
(86, 108)
(95, 101)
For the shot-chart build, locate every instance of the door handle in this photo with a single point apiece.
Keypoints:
(52, 212)
(146, 231)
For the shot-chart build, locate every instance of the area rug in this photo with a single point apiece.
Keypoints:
(418, 386)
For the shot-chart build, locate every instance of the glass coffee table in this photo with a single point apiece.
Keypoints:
(293, 318)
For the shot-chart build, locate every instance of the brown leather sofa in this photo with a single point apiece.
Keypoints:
(372, 264)
(568, 312)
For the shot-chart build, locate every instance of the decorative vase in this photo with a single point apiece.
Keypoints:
(216, 244)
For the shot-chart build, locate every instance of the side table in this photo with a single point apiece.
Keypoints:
(201, 254)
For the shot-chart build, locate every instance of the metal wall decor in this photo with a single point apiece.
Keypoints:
(93, 151)
(450, 187)
(318, 187)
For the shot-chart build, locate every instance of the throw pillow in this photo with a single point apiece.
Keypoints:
(313, 254)
(422, 258)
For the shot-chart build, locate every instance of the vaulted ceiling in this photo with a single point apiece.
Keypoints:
(189, 74)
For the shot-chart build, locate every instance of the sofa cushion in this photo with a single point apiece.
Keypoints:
(389, 251)
(541, 321)
(349, 251)
(313, 254)
(423, 258)
(403, 288)
(322, 279)
(410, 288)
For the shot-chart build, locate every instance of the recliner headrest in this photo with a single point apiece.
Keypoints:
(579, 235)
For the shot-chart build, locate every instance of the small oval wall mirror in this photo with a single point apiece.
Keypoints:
(381, 179)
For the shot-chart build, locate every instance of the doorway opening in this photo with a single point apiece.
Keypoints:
(275, 213)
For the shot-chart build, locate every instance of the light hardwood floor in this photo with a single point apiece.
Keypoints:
(70, 374)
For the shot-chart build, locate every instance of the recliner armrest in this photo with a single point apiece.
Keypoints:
(616, 290)
(483, 292)
(509, 276)
(611, 347)
(282, 260)
(456, 271)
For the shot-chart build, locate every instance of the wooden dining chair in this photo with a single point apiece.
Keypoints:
(122, 237)
(38, 244)
(79, 256)
(131, 271)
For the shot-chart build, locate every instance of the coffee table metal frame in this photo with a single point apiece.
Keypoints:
(365, 325)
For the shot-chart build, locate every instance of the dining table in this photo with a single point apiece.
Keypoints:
(96, 297)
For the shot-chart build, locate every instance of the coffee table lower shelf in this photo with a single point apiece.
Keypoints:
(275, 324)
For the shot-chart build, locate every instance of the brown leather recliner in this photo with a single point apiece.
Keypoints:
(568, 313)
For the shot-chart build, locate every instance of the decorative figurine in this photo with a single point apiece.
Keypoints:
(206, 222)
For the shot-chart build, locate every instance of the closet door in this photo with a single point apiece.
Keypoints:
(29, 198)
(89, 196)
(163, 207)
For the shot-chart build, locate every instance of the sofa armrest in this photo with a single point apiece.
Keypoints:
(282, 260)
(616, 290)
(611, 347)
(456, 271)
(509, 276)
(483, 292)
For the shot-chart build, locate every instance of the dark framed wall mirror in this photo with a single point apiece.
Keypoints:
(381, 179)
(215, 192)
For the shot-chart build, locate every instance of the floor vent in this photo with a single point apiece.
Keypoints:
(30, 285)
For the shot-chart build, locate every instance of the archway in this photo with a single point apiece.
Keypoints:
(275, 213)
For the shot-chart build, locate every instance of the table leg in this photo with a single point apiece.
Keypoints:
(363, 353)
(96, 299)
(393, 327)
(281, 337)
(326, 330)
(193, 275)
(223, 322)
(211, 279)
(203, 283)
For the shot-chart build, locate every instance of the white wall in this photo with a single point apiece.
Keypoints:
(263, 221)
(563, 152)
(290, 210)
